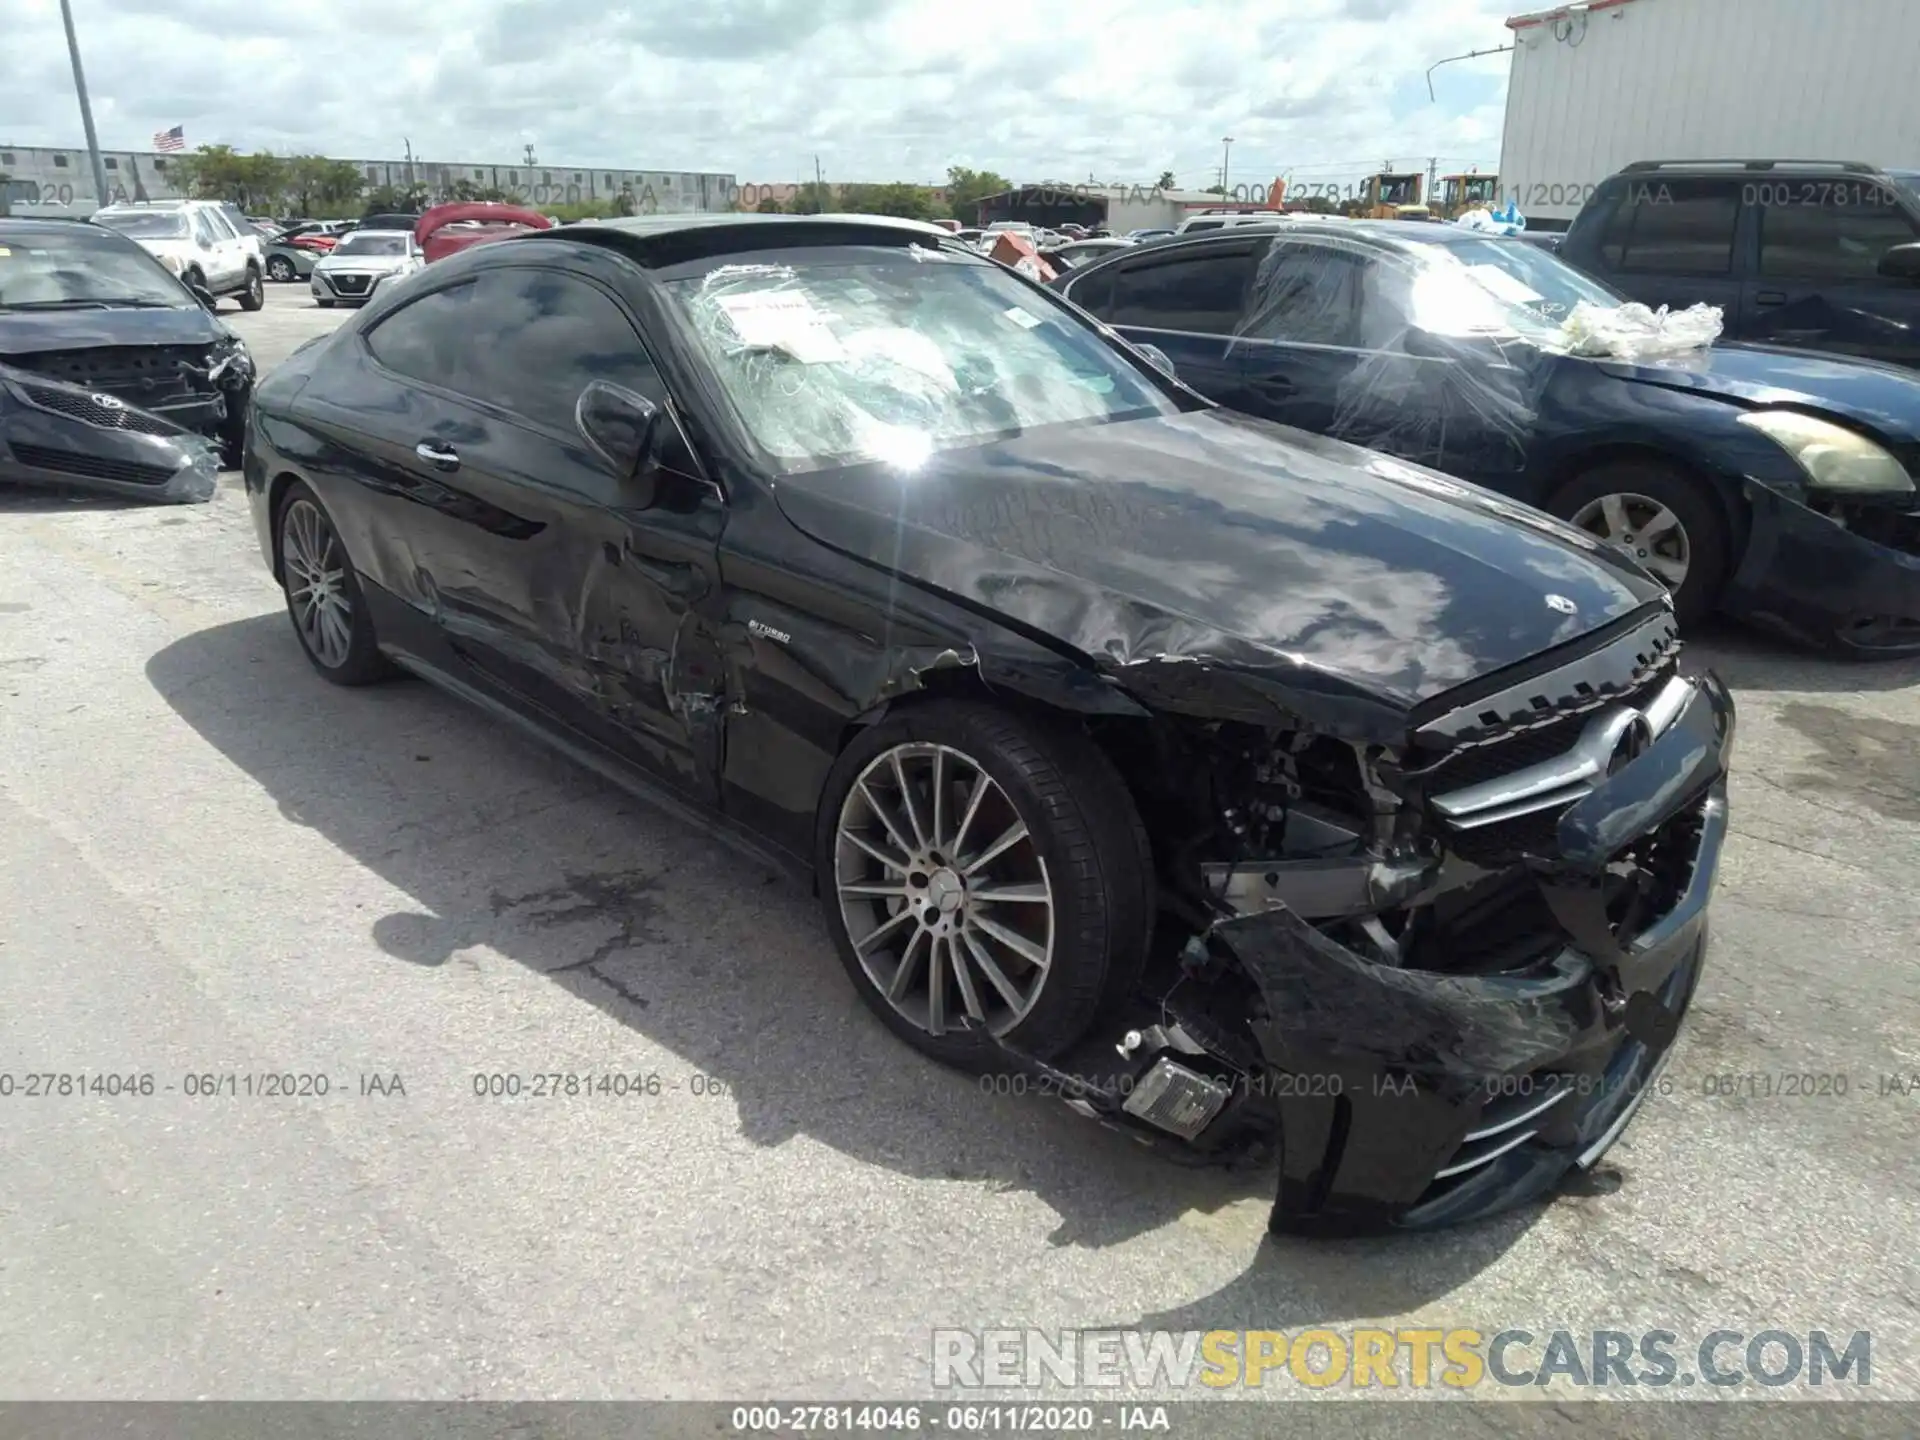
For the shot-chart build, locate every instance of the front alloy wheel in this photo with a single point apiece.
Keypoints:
(943, 890)
(323, 595)
(1644, 530)
(279, 268)
(985, 876)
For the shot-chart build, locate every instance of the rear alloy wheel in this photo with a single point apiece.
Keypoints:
(255, 294)
(1660, 519)
(982, 874)
(280, 268)
(324, 599)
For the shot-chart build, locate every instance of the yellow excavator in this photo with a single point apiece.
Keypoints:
(1461, 193)
(1390, 195)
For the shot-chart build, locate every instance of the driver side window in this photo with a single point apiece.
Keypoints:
(547, 335)
(1306, 295)
(203, 230)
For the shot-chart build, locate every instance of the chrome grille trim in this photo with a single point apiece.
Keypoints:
(1477, 1150)
(1566, 778)
(1555, 1093)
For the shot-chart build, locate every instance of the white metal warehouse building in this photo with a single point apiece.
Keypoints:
(1595, 87)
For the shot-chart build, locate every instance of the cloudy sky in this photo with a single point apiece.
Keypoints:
(878, 89)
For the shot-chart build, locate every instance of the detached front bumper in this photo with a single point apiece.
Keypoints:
(1413, 1099)
(1852, 587)
(61, 435)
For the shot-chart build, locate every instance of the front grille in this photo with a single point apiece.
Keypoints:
(350, 284)
(144, 375)
(88, 410)
(93, 467)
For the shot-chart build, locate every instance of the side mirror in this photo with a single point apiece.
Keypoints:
(619, 426)
(1902, 262)
(1157, 358)
(203, 295)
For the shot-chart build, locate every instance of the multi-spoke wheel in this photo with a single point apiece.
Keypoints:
(323, 594)
(1642, 528)
(1661, 519)
(943, 890)
(983, 876)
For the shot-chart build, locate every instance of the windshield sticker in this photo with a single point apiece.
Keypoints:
(1025, 319)
(782, 320)
(1505, 286)
(4, 252)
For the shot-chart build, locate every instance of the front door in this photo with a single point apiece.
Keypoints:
(541, 574)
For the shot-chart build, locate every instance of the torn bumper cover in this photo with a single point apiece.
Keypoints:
(56, 434)
(1850, 580)
(1406, 1098)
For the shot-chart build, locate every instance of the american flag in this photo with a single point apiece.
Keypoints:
(168, 141)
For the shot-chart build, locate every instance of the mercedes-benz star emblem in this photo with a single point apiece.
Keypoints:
(107, 402)
(1562, 604)
(1634, 742)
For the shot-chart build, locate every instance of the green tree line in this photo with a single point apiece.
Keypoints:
(314, 186)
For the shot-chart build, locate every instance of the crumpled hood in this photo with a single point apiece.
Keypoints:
(1332, 581)
(37, 332)
(1883, 397)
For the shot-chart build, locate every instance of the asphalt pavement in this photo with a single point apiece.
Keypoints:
(215, 869)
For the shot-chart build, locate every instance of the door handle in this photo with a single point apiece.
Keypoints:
(1770, 297)
(439, 458)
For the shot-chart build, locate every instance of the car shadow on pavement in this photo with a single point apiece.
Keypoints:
(503, 845)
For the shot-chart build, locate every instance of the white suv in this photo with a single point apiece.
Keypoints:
(207, 243)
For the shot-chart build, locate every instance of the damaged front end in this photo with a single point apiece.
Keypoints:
(58, 434)
(1435, 977)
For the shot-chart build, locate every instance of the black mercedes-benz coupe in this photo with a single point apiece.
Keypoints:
(1245, 789)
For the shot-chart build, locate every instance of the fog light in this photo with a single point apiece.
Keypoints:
(1173, 1098)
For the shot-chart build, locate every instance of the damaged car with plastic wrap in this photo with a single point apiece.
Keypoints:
(1776, 485)
(114, 376)
(1258, 795)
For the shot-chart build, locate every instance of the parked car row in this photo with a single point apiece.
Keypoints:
(1209, 773)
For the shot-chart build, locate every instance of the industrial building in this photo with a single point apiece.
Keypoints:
(45, 181)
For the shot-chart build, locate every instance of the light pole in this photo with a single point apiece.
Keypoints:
(86, 109)
(1226, 153)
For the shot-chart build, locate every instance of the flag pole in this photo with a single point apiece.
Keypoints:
(86, 108)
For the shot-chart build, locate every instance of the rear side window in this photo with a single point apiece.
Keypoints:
(545, 335)
(1838, 235)
(427, 339)
(1200, 293)
(1672, 227)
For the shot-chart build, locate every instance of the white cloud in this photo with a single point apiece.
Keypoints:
(878, 89)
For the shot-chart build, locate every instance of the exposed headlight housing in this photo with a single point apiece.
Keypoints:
(1835, 459)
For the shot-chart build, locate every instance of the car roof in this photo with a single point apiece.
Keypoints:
(652, 225)
(43, 224)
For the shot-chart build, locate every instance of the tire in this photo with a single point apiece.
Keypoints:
(324, 304)
(1640, 489)
(302, 528)
(194, 278)
(1084, 849)
(254, 295)
(280, 268)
